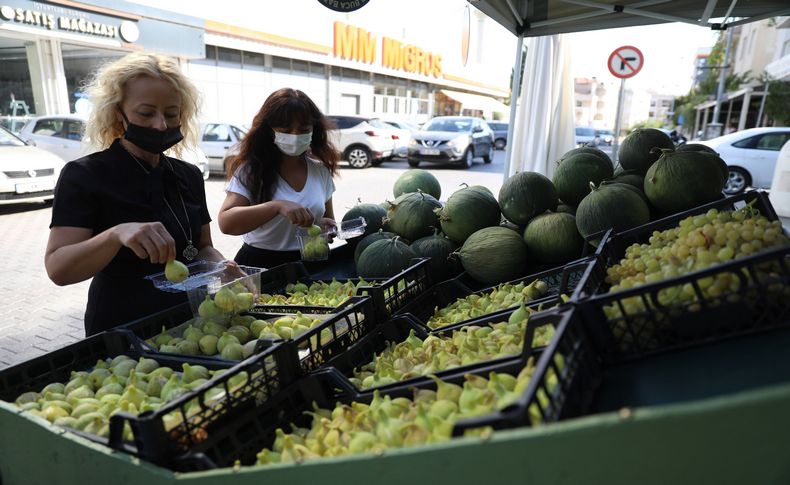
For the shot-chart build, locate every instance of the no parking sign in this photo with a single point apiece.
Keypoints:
(626, 61)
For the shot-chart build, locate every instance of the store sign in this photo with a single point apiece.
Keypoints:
(357, 44)
(126, 30)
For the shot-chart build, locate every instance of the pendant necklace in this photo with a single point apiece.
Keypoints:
(189, 252)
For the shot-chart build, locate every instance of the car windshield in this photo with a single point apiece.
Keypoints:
(585, 132)
(377, 123)
(448, 125)
(9, 140)
(603, 132)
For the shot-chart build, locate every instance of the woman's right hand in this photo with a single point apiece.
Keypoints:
(148, 240)
(297, 214)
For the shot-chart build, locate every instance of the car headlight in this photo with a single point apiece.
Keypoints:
(459, 143)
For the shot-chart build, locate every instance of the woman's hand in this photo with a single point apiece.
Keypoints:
(148, 240)
(297, 214)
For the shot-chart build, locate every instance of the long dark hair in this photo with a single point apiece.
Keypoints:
(259, 156)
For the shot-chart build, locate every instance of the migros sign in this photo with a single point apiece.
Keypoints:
(356, 44)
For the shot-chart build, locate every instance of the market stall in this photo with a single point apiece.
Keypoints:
(600, 326)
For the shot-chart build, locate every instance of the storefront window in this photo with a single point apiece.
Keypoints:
(16, 89)
(228, 57)
(79, 64)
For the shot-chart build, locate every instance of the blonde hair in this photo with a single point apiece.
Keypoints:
(107, 89)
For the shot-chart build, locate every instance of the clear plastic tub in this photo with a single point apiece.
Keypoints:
(314, 248)
(239, 279)
(352, 228)
(200, 273)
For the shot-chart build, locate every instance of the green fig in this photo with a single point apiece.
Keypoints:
(65, 422)
(225, 300)
(243, 320)
(168, 349)
(244, 301)
(249, 348)
(53, 412)
(226, 339)
(241, 333)
(124, 368)
(80, 392)
(213, 328)
(165, 372)
(176, 271)
(155, 384)
(257, 326)
(97, 376)
(172, 389)
(519, 315)
(187, 347)
(232, 351)
(83, 409)
(54, 387)
(192, 372)
(208, 309)
(27, 397)
(146, 366)
(208, 344)
(77, 380)
(193, 334)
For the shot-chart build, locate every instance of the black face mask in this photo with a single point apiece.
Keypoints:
(150, 139)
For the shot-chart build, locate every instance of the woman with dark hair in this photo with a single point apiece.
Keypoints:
(280, 180)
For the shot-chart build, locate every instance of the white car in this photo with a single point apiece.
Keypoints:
(586, 136)
(751, 155)
(404, 132)
(62, 135)
(220, 141)
(361, 143)
(27, 173)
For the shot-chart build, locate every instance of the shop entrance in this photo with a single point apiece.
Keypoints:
(16, 88)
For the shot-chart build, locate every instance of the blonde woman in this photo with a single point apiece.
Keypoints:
(122, 212)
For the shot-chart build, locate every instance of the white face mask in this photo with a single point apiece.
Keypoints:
(293, 145)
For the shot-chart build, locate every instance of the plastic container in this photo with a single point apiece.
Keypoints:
(242, 278)
(314, 248)
(200, 273)
(569, 395)
(352, 228)
(389, 294)
(563, 280)
(644, 320)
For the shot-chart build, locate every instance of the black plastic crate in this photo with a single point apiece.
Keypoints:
(389, 294)
(198, 420)
(254, 429)
(334, 336)
(57, 366)
(645, 319)
(563, 280)
(399, 328)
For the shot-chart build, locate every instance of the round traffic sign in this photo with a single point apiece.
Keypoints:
(625, 61)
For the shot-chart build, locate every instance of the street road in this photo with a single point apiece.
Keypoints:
(37, 316)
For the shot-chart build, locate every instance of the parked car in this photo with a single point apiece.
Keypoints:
(586, 136)
(605, 136)
(452, 139)
(27, 173)
(219, 141)
(500, 134)
(751, 156)
(403, 132)
(360, 142)
(62, 135)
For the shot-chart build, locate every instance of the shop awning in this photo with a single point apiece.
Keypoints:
(476, 101)
(533, 18)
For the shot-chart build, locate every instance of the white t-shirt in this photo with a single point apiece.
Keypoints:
(279, 234)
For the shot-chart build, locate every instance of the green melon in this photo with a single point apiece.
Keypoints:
(611, 207)
(466, 211)
(552, 238)
(696, 147)
(494, 255)
(370, 239)
(525, 195)
(385, 258)
(416, 179)
(413, 215)
(438, 248)
(373, 214)
(589, 150)
(481, 188)
(682, 180)
(630, 178)
(636, 151)
(573, 176)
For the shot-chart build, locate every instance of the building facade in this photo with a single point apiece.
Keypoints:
(49, 50)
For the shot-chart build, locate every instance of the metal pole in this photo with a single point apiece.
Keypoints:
(722, 80)
(513, 103)
(617, 122)
(762, 107)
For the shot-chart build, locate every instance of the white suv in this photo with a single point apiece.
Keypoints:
(362, 141)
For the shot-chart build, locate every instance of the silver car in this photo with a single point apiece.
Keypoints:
(27, 173)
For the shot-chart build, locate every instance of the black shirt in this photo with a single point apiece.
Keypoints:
(108, 188)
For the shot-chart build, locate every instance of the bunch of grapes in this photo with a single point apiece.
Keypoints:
(697, 243)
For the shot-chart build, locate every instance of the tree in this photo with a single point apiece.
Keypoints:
(777, 102)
